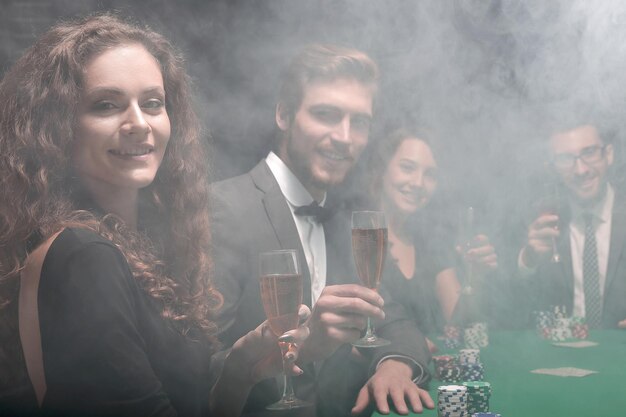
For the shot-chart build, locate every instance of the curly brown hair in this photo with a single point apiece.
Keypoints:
(38, 102)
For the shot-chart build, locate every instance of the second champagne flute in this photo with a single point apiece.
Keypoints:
(281, 293)
(369, 247)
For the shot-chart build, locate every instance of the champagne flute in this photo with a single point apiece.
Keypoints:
(369, 247)
(466, 235)
(281, 293)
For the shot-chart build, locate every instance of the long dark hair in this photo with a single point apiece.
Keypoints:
(38, 100)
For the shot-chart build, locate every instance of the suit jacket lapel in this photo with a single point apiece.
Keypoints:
(281, 220)
(618, 226)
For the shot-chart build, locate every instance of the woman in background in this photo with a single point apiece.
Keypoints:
(420, 269)
(104, 232)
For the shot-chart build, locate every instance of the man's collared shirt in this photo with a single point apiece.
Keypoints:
(310, 231)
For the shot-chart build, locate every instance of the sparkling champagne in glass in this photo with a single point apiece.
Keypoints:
(369, 247)
(281, 293)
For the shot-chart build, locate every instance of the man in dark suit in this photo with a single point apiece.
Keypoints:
(588, 233)
(323, 117)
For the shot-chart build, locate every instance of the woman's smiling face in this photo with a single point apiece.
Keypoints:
(410, 179)
(122, 126)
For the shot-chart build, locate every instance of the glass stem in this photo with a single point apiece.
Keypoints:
(288, 394)
(555, 252)
(369, 332)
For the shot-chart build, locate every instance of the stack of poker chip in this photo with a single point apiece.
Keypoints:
(442, 362)
(474, 372)
(556, 326)
(452, 337)
(471, 367)
(486, 415)
(452, 401)
(559, 312)
(447, 369)
(543, 320)
(475, 336)
(580, 329)
(469, 356)
(561, 330)
(478, 394)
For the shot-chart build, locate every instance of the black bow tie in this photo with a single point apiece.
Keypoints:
(319, 213)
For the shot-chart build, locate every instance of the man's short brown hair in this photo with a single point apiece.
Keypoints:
(325, 62)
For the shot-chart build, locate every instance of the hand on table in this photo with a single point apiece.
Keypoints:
(339, 317)
(622, 324)
(392, 382)
(539, 245)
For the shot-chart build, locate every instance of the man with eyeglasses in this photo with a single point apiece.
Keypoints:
(589, 274)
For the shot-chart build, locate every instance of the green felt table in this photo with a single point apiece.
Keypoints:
(517, 392)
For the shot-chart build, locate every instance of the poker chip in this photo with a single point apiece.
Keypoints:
(452, 332)
(486, 415)
(475, 336)
(580, 331)
(563, 323)
(452, 401)
(543, 323)
(442, 361)
(560, 312)
(472, 372)
(450, 373)
(452, 337)
(451, 343)
(478, 394)
(469, 356)
(560, 334)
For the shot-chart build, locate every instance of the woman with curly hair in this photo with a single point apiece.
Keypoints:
(403, 177)
(104, 232)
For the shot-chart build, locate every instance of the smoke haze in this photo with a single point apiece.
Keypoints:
(485, 75)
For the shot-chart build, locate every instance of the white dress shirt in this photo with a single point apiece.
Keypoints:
(310, 231)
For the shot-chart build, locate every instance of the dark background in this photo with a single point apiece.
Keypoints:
(483, 75)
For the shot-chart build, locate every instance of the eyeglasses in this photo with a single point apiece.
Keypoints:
(589, 155)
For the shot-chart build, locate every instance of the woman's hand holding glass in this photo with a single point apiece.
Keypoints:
(480, 255)
(253, 358)
(257, 355)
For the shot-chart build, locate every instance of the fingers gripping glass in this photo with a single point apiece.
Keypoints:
(369, 247)
(281, 293)
(589, 155)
